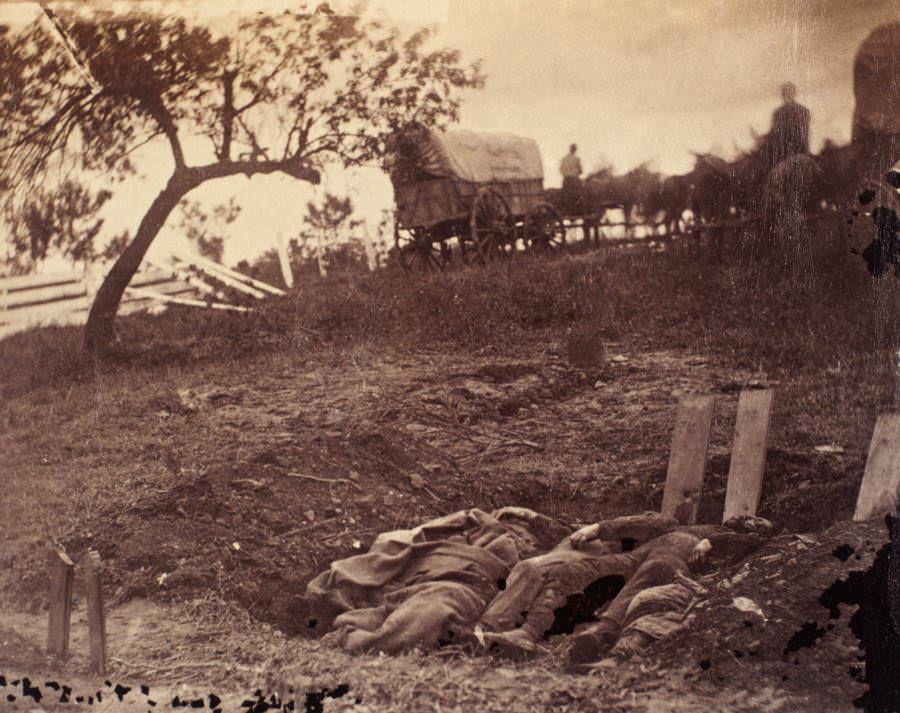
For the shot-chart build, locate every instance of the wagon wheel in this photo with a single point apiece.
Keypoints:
(491, 225)
(417, 252)
(544, 229)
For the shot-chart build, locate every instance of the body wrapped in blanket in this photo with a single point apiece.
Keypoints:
(427, 585)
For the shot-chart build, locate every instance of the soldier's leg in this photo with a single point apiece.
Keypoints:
(663, 558)
(366, 619)
(653, 613)
(413, 622)
(564, 569)
(568, 573)
(509, 608)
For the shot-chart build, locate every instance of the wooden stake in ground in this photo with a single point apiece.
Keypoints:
(687, 460)
(96, 618)
(285, 261)
(748, 454)
(62, 573)
(585, 346)
(880, 485)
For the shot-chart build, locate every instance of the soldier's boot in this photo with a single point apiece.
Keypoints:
(594, 641)
(517, 644)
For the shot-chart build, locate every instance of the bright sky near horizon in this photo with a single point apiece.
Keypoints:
(629, 81)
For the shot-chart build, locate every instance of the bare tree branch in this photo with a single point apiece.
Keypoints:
(154, 105)
(221, 169)
(228, 114)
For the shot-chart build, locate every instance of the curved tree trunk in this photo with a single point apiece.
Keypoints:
(98, 333)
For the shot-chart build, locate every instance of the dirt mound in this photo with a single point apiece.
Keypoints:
(309, 467)
(793, 479)
(775, 620)
(239, 487)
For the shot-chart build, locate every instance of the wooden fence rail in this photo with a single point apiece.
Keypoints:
(65, 298)
(593, 225)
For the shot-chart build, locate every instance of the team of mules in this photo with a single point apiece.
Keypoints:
(719, 195)
(775, 197)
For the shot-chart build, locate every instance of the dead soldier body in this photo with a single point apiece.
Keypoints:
(613, 561)
(425, 586)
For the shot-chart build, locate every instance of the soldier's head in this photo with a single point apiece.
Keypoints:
(573, 148)
(788, 92)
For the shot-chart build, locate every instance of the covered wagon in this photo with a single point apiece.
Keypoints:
(477, 195)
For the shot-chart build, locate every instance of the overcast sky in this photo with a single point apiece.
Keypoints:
(651, 80)
(629, 81)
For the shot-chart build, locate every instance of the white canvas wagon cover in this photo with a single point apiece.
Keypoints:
(471, 156)
(876, 82)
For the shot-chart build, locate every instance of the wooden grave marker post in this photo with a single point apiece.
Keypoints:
(585, 347)
(687, 460)
(62, 574)
(96, 618)
(748, 453)
(880, 485)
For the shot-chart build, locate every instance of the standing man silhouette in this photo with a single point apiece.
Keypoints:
(790, 127)
(570, 168)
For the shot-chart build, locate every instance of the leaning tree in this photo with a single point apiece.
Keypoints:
(282, 93)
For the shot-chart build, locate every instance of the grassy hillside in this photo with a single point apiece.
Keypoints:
(218, 461)
(752, 313)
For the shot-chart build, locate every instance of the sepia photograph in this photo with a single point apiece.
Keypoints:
(363, 356)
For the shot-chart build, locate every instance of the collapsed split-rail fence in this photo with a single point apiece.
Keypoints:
(63, 299)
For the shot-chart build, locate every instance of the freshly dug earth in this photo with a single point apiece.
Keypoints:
(246, 484)
(255, 485)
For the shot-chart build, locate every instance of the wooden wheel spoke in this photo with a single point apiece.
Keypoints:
(490, 225)
(417, 251)
(544, 229)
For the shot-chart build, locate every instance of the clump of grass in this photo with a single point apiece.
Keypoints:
(39, 356)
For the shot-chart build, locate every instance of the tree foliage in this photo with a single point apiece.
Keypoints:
(205, 230)
(286, 93)
(63, 221)
(323, 226)
(327, 220)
